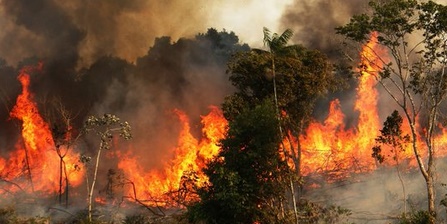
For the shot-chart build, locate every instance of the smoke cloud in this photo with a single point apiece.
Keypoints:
(314, 22)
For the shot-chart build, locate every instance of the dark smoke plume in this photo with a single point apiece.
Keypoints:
(314, 22)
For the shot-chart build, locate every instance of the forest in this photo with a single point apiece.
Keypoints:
(206, 128)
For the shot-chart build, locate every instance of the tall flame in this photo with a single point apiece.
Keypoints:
(329, 147)
(34, 164)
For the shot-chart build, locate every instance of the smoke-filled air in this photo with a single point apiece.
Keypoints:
(289, 111)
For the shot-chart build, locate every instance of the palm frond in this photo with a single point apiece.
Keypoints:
(276, 42)
(267, 36)
(285, 37)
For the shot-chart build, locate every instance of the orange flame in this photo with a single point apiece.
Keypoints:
(35, 156)
(331, 148)
(190, 157)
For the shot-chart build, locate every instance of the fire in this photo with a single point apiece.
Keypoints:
(34, 164)
(329, 147)
(191, 155)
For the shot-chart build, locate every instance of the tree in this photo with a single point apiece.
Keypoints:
(248, 178)
(300, 75)
(63, 140)
(105, 127)
(414, 72)
(277, 45)
(392, 136)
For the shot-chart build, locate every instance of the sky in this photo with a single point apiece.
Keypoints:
(248, 18)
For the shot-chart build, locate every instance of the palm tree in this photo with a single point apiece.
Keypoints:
(277, 46)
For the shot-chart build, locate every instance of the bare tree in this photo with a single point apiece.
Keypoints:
(104, 127)
(414, 70)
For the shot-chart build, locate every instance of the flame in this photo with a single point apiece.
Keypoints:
(34, 164)
(330, 147)
(191, 155)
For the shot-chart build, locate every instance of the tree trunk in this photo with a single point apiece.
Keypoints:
(431, 199)
(60, 176)
(28, 168)
(90, 194)
(295, 210)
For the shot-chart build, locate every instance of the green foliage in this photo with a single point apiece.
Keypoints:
(416, 217)
(391, 134)
(394, 18)
(247, 177)
(105, 126)
(311, 213)
(302, 76)
(395, 21)
(223, 43)
(275, 42)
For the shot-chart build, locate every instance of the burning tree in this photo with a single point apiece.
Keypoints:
(413, 70)
(35, 150)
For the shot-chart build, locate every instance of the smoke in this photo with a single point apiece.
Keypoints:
(87, 30)
(53, 34)
(120, 57)
(314, 22)
(91, 29)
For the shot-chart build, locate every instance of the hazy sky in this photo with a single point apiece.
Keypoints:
(124, 28)
(248, 18)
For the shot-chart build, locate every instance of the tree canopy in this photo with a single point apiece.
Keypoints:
(248, 176)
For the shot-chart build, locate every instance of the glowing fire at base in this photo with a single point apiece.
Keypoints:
(34, 165)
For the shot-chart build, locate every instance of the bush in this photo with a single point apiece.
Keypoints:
(415, 217)
(314, 213)
(136, 219)
(8, 215)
